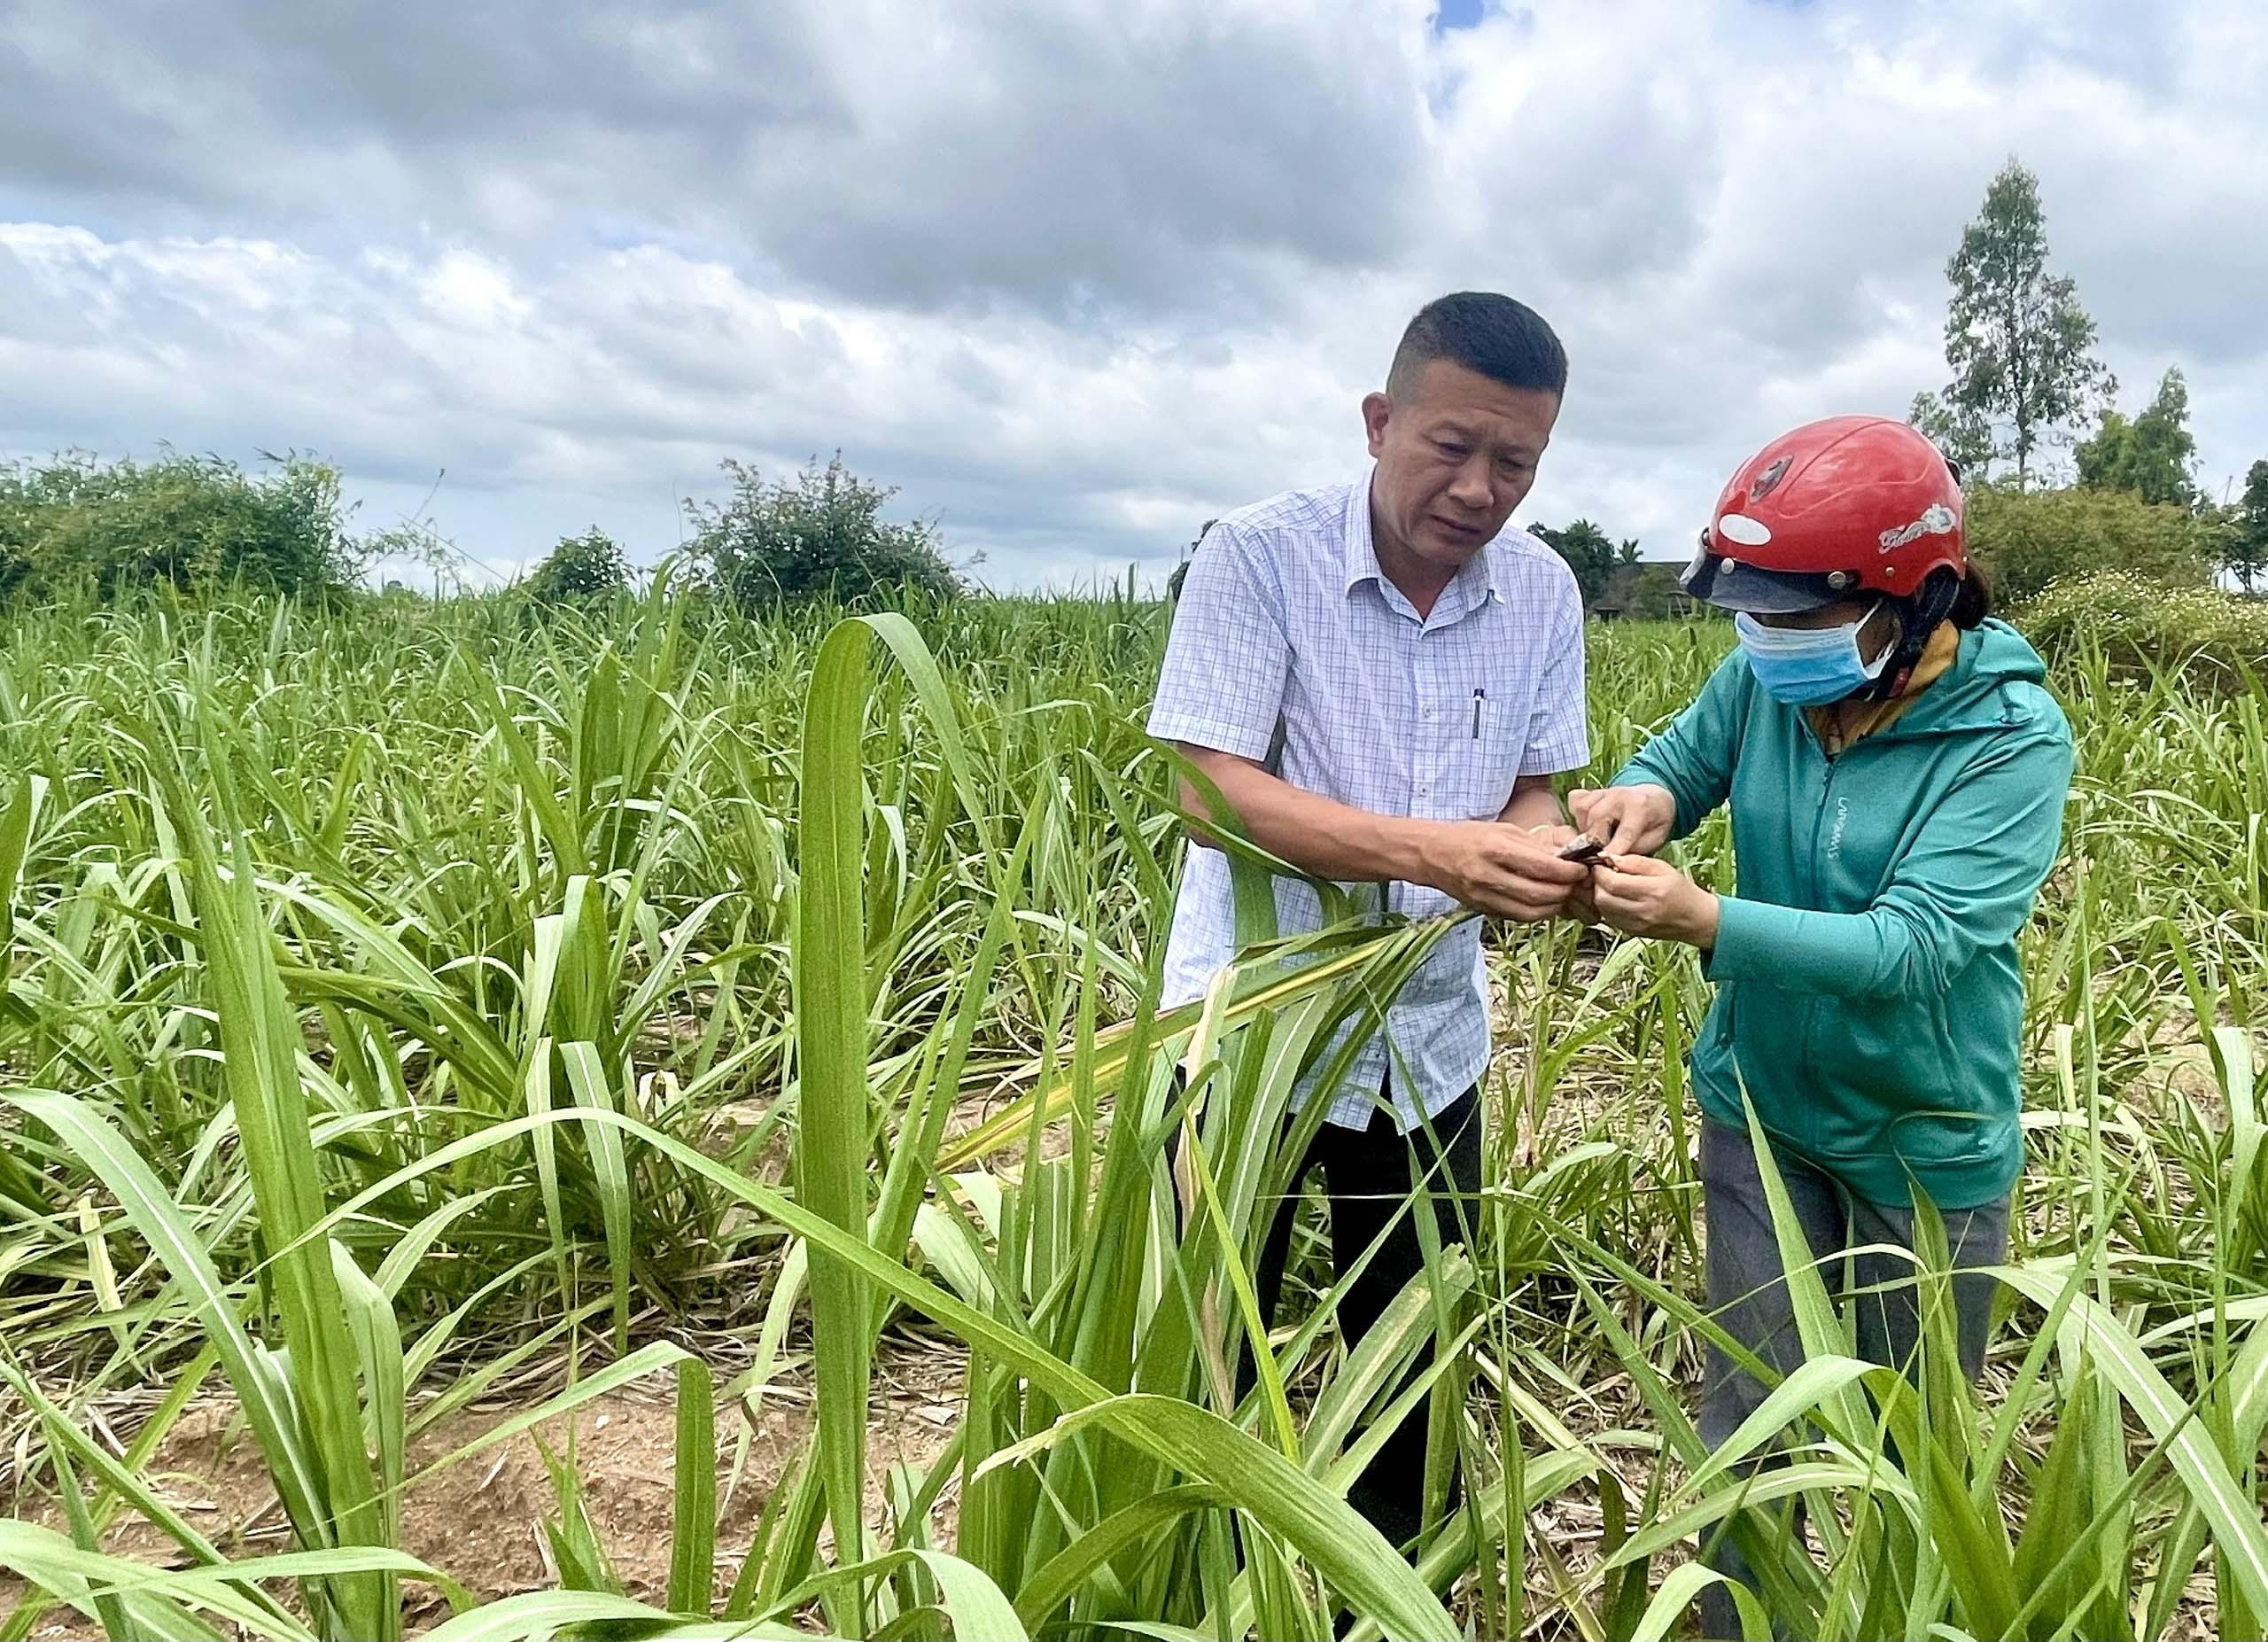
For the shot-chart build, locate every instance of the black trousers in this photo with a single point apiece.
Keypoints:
(1366, 1178)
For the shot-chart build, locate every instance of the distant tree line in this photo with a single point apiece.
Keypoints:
(72, 525)
(201, 526)
(2026, 384)
(2025, 388)
(1590, 553)
(817, 534)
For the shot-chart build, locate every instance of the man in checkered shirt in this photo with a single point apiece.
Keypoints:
(1382, 678)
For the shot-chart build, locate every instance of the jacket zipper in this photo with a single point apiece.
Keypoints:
(1818, 820)
(1819, 815)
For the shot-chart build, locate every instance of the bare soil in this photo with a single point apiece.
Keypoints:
(481, 1519)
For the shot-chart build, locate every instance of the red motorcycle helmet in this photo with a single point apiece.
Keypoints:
(1830, 510)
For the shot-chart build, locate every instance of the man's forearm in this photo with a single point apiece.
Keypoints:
(1484, 864)
(1315, 834)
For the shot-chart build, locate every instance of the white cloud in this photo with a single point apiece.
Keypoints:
(1075, 277)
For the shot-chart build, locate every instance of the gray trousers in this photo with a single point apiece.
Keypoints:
(1750, 1301)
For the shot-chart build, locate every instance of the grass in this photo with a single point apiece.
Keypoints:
(402, 1001)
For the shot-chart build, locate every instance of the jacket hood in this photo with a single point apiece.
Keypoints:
(1998, 679)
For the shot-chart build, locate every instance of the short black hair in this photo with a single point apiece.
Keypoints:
(1494, 336)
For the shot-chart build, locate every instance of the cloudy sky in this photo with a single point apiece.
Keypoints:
(1072, 276)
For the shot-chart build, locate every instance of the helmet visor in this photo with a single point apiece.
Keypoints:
(1730, 585)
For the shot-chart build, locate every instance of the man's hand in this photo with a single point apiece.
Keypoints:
(1640, 896)
(1503, 871)
(1627, 820)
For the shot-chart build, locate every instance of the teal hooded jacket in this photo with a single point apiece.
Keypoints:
(1869, 993)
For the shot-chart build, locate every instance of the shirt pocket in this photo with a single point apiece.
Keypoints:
(1481, 757)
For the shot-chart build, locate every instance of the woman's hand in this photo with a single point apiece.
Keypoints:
(1627, 820)
(1640, 896)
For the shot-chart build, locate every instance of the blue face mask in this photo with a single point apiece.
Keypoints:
(1807, 666)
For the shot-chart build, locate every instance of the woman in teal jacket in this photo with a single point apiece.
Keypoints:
(1896, 771)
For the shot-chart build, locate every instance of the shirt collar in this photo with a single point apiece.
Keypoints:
(1470, 588)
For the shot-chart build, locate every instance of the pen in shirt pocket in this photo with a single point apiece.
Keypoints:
(1478, 697)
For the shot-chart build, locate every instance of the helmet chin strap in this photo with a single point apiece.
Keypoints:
(1918, 618)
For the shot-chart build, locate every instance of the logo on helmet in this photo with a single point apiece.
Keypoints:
(1935, 520)
(1748, 532)
(1765, 481)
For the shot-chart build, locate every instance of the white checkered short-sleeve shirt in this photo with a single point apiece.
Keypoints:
(1286, 615)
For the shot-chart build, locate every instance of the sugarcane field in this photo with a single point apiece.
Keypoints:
(1143, 1005)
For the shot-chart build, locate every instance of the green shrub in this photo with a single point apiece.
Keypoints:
(2028, 538)
(2140, 624)
(191, 523)
(581, 569)
(820, 535)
